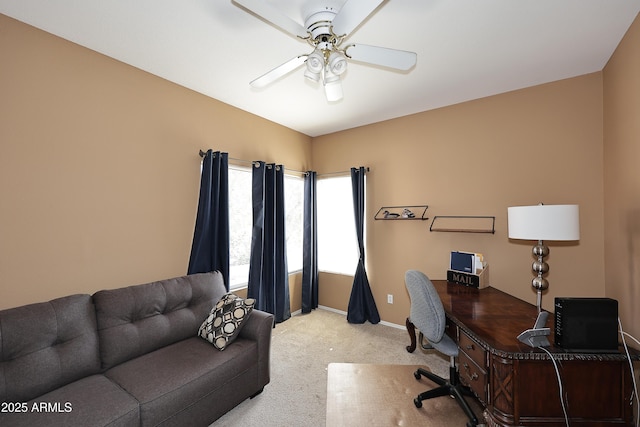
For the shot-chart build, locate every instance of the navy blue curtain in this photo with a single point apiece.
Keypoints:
(309, 246)
(268, 274)
(210, 247)
(362, 306)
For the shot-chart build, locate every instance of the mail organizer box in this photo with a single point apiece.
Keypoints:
(478, 281)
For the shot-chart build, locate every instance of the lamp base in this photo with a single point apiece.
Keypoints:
(537, 336)
(539, 283)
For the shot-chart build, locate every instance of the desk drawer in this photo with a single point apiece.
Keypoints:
(472, 376)
(473, 350)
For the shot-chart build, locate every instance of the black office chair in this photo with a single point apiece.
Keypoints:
(427, 314)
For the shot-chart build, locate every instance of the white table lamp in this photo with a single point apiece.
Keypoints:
(543, 222)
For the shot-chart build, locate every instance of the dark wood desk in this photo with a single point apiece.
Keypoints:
(517, 384)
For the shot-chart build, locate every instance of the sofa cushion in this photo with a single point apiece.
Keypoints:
(170, 383)
(46, 345)
(91, 401)
(136, 320)
(224, 322)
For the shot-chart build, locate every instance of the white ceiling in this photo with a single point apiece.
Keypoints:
(467, 49)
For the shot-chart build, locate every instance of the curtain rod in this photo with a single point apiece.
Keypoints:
(366, 169)
(250, 162)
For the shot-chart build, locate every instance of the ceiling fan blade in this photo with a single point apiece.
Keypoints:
(279, 71)
(392, 58)
(274, 16)
(352, 14)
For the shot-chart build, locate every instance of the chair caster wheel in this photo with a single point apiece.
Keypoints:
(417, 402)
(417, 375)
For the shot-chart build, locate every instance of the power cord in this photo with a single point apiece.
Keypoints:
(623, 334)
(555, 365)
(633, 377)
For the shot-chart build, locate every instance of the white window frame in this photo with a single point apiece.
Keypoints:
(337, 238)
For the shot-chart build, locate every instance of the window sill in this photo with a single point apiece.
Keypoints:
(241, 286)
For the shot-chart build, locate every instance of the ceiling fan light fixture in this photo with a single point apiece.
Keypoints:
(337, 63)
(311, 75)
(315, 62)
(329, 76)
(333, 90)
(332, 85)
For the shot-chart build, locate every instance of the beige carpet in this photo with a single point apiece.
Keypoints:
(302, 349)
(382, 396)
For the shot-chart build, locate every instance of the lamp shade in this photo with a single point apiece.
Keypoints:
(544, 222)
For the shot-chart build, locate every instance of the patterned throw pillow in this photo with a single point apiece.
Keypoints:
(225, 320)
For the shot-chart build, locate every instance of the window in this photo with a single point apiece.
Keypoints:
(294, 212)
(241, 223)
(240, 226)
(337, 239)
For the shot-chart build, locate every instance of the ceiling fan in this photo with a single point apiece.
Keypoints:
(325, 29)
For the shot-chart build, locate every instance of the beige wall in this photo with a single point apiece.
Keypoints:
(541, 144)
(99, 172)
(621, 178)
(99, 167)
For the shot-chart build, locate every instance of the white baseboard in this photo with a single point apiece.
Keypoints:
(382, 322)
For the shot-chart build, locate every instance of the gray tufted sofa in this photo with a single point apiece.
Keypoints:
(128, 357)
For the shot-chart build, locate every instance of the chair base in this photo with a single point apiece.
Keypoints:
(451, 387)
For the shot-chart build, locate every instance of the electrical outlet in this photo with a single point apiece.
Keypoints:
(389, 299)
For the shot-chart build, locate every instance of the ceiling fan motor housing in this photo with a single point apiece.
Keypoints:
(325, 42)
(319, 26)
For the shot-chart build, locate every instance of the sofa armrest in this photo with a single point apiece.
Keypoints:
(258, 327)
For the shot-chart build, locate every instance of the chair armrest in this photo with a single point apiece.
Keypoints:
(258, 327)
